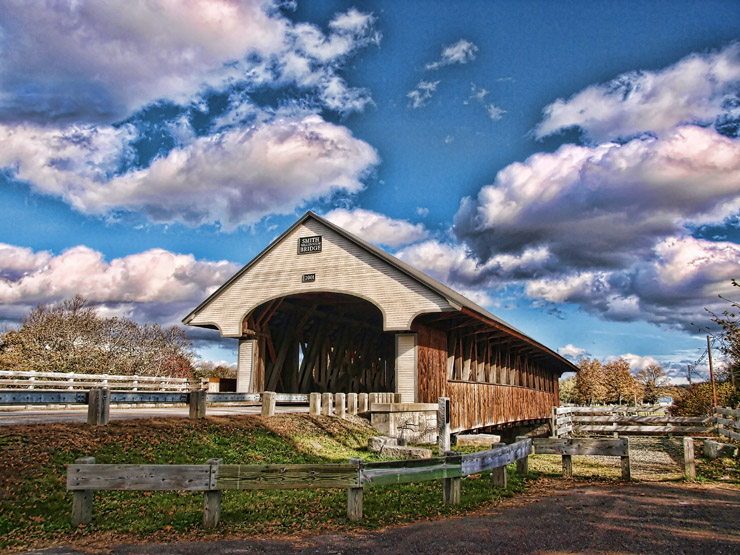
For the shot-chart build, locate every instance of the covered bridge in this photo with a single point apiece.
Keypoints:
(322, 310)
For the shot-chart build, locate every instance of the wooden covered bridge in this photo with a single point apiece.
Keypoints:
(320, 310)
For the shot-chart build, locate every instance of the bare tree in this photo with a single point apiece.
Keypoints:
(71, 337)
(652, 381)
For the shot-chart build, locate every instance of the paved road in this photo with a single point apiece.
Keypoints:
(17, 417)
(659, 518)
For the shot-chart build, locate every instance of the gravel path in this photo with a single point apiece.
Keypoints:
(560, 517)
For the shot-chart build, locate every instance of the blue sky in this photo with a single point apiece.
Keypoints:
(572, 166)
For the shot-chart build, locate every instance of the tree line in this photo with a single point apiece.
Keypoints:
(612, 382)
(71, 336)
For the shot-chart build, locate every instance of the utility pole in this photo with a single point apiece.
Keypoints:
(688, 370)
(711, 371)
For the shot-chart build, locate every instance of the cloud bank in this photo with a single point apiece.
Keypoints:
(232, 178)
(609, 226)
(100, 61)
(698, 89)
(155, 285)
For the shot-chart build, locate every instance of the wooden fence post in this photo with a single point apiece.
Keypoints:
(443, 424)
(362, 402)
(326, 404)
(82, 500)
(355, 496)
(554, 422)
(314, 404)
(498, 475)
(98, 407)
(268, 403)
(451, 486)
(197, 402)
(339, 406)
(212, 498)
(522, 465)
(626, 471)
(567, 466)
(689, 464)
(352, 403)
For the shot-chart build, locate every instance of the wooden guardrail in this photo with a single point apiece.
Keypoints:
(625, 420)
(85, 477)
(567, 447)
(728, 422)
(15, 379)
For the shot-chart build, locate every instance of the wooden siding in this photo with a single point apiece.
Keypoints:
(341, 267)
(476, 405)
(245, 363)
(432, 352)
(406, 362)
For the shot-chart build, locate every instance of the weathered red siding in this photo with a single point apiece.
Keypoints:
(475, 405)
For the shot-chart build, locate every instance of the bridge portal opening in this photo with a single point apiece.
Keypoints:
(317, 342)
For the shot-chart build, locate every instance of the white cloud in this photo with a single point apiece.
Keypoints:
(637, 362)
(673, 288)
(235, 177)
(479, 94)
(377, 228)
(605, 206)
(573, 353)
(697, 89)
(494, 112)
(422, 93)
(153, 285)
(461, 52)
(454, 265)
(100, 61)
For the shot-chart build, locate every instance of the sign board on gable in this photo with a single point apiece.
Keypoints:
(308, 245)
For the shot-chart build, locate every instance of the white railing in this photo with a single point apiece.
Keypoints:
(14, 379)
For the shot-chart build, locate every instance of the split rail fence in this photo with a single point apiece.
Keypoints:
(85, 477)
(568, 447)
(728, 422)
(626, 420)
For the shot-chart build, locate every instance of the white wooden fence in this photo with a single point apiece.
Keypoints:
(639, 420)
(13, 379)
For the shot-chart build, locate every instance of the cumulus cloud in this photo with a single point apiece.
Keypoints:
(637, 362)
(672, 289)
(155, 285)
(99, 61)
(421, 95)
(233, 178)
(573, 353)
(377, 228)
(608, 205)
(454, 265)
(697, 89)
(616, 218)
(461, 52)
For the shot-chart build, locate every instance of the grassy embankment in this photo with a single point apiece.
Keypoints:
(35, 506)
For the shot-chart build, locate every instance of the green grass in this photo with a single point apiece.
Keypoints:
(35, 506)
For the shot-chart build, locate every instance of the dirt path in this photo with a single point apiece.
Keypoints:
(559, 517)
